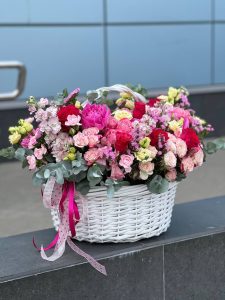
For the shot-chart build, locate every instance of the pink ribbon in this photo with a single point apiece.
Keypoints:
(63, 198)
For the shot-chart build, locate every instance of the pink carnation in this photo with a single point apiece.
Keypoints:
(171, 175)
(126, 162)
(171, 146)
(92, 155)
(187, 165)
(80, 140)
(95, 115)
(170, 160)
(124, 125)
(112, 123)
(72, 120)
(91, 131)
(31, 162)
(116, 172)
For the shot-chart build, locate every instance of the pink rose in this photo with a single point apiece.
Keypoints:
(171, 146)
(73, 120)
(116, 172)
(92, 155)
(80, 140)
(171, 175)
(126, 162)
(31, 162)
(187, 165)
(181, 148)
(32, 142)
(170, 160)
(198, 158)
(39, 152)
(146, 169)
(93, 140)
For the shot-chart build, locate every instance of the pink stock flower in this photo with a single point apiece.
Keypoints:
(187, 164)
(31, 162)
(80, 140)
(126, 162)
(92, 155)
(116, 172)
(171, 175)
(73, 120)
(95, 115)
(29, 120)
(181, 148)
(43, 102)
(170, 160)
(32, 109)
(39, 152)
(41, 115)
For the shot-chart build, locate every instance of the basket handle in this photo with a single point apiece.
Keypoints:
(121, 88)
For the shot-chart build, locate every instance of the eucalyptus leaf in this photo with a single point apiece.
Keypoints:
(59, 176)
(110, 191)
(20, 154)
(47, 173)
(83, 187)
(7, 152)
(158, 185)
(37, 181)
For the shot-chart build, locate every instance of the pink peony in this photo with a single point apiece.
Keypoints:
(187, 165)
(171, 175)
(31, 162)
(170, 160)
(198, 158)
(126, 162)
(72, 120)
(80, 140)
(116, 172)
(92, 155)
(95, 115)
(39, 152)
(181, 148)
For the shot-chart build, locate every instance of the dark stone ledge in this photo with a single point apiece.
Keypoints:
(186, 262)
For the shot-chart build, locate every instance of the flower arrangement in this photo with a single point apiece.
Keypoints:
(154, 142)
(100, 142)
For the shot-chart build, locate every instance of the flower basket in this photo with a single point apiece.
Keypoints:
(134, 213)
(109, 168)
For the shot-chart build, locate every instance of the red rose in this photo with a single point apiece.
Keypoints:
(190, 137)
(152, 101)
(64, 112)
(139, 110)
(122, 141)
(158, 134)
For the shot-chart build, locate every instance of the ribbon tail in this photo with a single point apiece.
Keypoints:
(89, 258)
(58, 252)
(50, 246)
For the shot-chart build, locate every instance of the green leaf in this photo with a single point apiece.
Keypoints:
(20, 154)
(24, 163)
(7, 153)
(47, 173)
(83, 187)
(59, 176)
(110, 191)
(94, 175)
(36, 180)
(158, 185)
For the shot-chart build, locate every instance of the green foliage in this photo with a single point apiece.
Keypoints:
(158, 185)
(94, 175)
(7, 153)
(215, 145)
(83, 187)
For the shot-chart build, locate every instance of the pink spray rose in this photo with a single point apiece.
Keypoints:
(181, 148)
(80, 140)
(170, 160)
(116, 172)
(92, 155)
(187, 165)
(31, 162)
(39, 152)
(95, 115)
(171, 175)
(126, 162)
(146, 169)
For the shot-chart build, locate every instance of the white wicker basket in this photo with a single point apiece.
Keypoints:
(133, 214)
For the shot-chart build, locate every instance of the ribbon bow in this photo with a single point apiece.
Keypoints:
(63, 199)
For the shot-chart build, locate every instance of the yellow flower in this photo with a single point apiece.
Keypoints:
(71, 156)
(173, 95)
(122, 114)
(163, 97)
(72, 150)
(145, 142)
(12, 129)
(129, 104)
(125, 95)
(120, 101)
(22, 130)
(27, 126)
(14, 138)
(144, 155)
(175, 125)
(77, 104)
(202, 121)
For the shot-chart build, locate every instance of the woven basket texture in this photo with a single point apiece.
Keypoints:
(132, 214)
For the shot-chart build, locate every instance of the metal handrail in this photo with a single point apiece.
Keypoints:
(20, 82)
